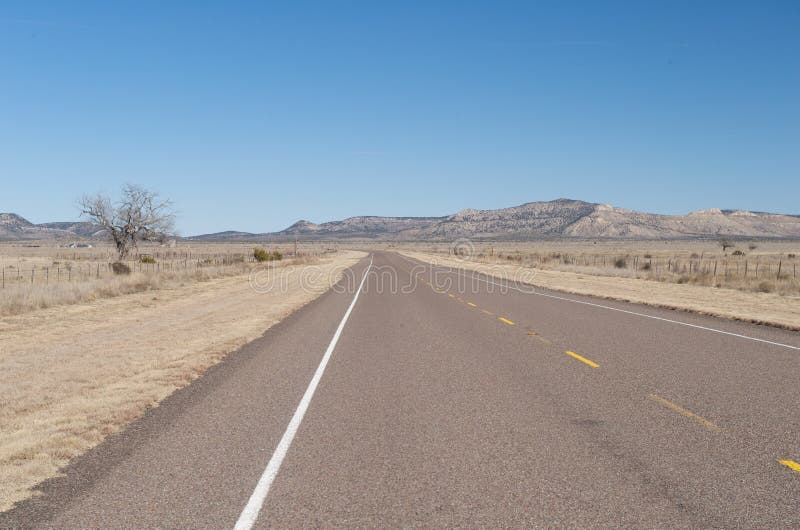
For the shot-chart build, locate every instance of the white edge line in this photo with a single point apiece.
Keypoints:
(250, 512)
(454, 270)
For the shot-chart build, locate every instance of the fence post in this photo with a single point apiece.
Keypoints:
(780, 263)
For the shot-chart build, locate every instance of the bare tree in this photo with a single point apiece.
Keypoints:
(726, 244)
(139, 215)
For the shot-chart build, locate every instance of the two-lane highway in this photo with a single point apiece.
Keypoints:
(414, 400)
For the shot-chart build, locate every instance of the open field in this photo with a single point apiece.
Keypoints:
(756, 266)
(72, 374)
(36, 276)
(728, 296)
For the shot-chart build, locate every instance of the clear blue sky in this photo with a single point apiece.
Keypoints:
(251, 115)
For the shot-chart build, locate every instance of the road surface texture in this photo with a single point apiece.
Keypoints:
(447, 400)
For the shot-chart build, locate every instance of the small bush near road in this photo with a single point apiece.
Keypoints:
(738, 253)
(147, 259)
(765, 287)
(620, 263)
(261, 254)
(120, 268)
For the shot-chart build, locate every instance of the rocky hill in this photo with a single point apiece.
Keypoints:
(14, 227)
(562, 218)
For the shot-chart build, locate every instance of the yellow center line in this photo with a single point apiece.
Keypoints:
(531, 332)
(471, 304)
(582, 359)
(689, 414)
(791, 465)
(487, 312)
(451, 295)
(507, 321)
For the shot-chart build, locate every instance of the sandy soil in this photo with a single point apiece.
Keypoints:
(71, 375)
(766, 308)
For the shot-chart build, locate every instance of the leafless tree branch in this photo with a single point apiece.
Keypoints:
(139, 215)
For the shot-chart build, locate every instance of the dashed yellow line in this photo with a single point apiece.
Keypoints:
(689, 414)
(531, 332)
(507, 321)
(582, 359)
(471, 304)
(791, 464)
(451, 295)
(487, 312)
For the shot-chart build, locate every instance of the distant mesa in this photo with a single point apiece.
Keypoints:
(561, 218)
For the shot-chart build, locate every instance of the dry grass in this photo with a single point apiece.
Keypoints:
(72, 374)
(19, 299)
(767, 308)
(45, 276)
(763, 266)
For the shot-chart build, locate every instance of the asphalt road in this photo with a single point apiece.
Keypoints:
(447, 400)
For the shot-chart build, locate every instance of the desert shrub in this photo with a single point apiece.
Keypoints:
(120, 268)
(791, 256)
(147, 259)
(683, 279)
(648, 256)
(765, 287)
(752, 246)
(264, 255)
(694, 255)
(646, 267)
(737, 253)
(620, 263)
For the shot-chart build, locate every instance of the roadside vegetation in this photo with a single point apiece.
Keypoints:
(33, 277)
(726, 265)
(261, 255)
(72, 375)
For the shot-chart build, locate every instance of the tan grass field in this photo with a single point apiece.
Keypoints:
(37, 276)
(767, 308)
(72, 374)
(755, 266)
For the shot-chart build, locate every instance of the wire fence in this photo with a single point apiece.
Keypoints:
(742, 268)
(81, 271)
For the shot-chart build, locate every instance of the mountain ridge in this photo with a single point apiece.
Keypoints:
(559, 218)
